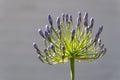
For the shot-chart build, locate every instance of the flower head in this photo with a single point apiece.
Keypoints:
(66, 41)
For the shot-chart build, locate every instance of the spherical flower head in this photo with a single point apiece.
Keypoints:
(66, 40)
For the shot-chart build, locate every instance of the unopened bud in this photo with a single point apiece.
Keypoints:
(73, 34)
(97, 36)
(100, 29)
(71, 18)
(67, 17)
(45, 50)
(79, 18)
(78, 21)
(35, 46)
(105, 50)
(40, 58)
(63, 17)
(91, 23)
(87, 29)
(58, 22)
(91, 40)
(53, 47)
(60, 33)
(99, 41)
(79, 14)
(48, 29)
(63, 49)
(41, 33)
(50, 20)
(102, 46)
(47, 35)
(85, 18)
(37, 50)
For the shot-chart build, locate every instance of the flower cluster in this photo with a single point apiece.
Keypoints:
(68, 40)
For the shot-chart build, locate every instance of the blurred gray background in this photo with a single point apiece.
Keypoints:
(19, 21)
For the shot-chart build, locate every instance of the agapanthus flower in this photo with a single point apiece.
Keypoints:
(67, 40)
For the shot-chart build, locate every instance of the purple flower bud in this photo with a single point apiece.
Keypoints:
(97, 36)
(63, 57)
(85, 18)
(102, 46)
(71, 18)
(100, 29)
(47, 35)
(99, 41)
(67, 16)
(45, 50)
(91, 23)
(63, 17)
(41, 33)
(91, 40)
(58, 22)
(79, 18)
(78, 21)
(60, 33)
(48, 29)
(50, 20)
(48, 48)
(37, 50)
(73, 34)
(105, 50)
(40, 58)
(87, 29)
(35, 46)
(63, 49)
(79, 14)
(53, 47)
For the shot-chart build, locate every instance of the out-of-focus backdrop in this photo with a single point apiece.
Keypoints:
(19, 21)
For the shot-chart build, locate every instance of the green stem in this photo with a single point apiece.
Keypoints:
(72, 67)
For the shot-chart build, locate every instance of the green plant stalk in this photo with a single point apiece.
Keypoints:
(72, 68)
